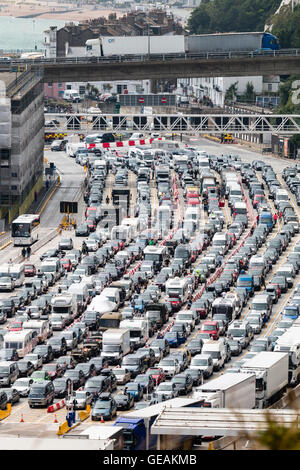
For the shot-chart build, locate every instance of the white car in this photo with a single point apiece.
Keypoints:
(171, 367)
(73, 258)
(82, 399)
(168, 389)
(7, 283)
(36, 360)
(66, 244)
(92, 245)
(23, 386)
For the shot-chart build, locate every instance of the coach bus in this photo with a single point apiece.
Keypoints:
(24, 229)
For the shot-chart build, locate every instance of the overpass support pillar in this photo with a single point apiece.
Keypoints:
(153, 85)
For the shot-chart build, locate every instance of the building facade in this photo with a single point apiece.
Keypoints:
(21, 170)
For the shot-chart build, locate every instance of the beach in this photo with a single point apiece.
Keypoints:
(53, 10)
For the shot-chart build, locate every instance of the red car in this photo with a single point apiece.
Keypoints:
(211, 327)
(201, 308)
(15, 326)
(193, 201)
(91, 211)
(157, 373)
(54, 370)
(91, 224)
(258, 199)
(66, 263)
(29, 270)
(233, 238)
(117, 245)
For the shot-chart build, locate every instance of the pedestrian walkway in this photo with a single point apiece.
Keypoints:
(41, 197)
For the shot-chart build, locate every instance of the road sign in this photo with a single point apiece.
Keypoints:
(141, 100)
(164, 100)
(67, 207)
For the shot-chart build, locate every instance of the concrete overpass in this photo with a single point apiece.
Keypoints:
(87, 69)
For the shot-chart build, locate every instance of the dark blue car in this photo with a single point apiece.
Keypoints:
(173, 338)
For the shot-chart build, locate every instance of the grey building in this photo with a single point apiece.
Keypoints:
(21, 141)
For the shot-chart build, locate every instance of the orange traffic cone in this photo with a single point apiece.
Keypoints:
(55, 419)
(102, 419)
(21, 420)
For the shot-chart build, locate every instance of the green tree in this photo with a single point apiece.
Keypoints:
(231, 92)
(249, 93)
(213, 16)
(286, 26)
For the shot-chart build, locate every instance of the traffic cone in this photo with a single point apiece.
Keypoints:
(55, 419)
(21, 420)
(102, 419)
(211, 446)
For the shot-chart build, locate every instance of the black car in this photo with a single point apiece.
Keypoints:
(3, 400)
(25, 368)
(163, 344)
(44, 305)
(9, 355)
(124, 401)
(91, 319)
(61, 387)
(59, 345)
(91, 261)
(45, 351)
(77, 376)
(87, 368)
(13, 396)
(149, 354)
(53, 253)
(99, 384)
(235, 346)
(18, 300)
(195, 346)
(146, 381)
(113, 379)
(8, 306)
(184, 383)
(82, 230)
(196, 375)
(99, 363)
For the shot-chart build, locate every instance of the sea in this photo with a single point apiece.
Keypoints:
(24, 34)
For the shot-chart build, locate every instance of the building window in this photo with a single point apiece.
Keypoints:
(14, 175)
(269, 86)
(50, 85)
(59, 85)
(69, 87)
(14, 188)
(81, 89)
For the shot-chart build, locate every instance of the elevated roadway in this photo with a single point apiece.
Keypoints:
(156, 66)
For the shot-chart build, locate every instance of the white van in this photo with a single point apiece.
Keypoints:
(281, 195)
(53, 266)
(80, 290)
(221, 240)
(109, 293)
(72, 95)
(217, 351)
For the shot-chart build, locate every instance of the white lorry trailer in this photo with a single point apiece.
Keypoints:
(138, 329)
(228, 391)
(120, 45)
(289, 343)
(271, 370)
(115, 344)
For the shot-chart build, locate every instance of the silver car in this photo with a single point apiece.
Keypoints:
(7, 283)
(80, 399)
